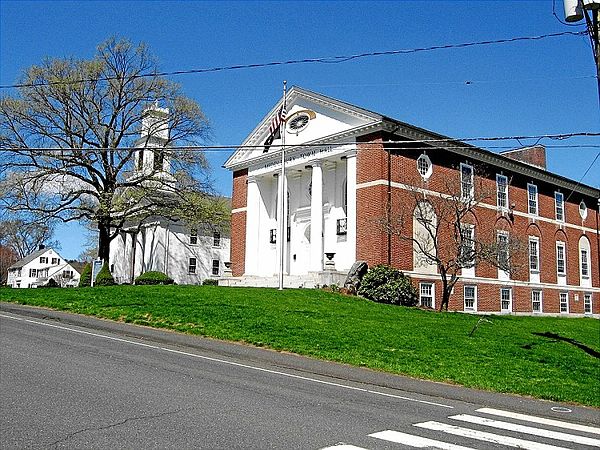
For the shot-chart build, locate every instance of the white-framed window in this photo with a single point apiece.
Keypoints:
(194, 236)
(561, 268)
(32, 273)
(502, 191)
(216, 239)
(43, 260)
(424, 166)
(67, 273)
(582, 210)
(192, 265)
(470, 296)
(55, 261)
(559, 206)
(467, 245)
(216, 267)
(587, 303)
(427, 295)
(466, 181)
(534, 254)
(503, 255)
(505, 299)
(584, 263)
(536, 301)
(564, 302)
(532, 199)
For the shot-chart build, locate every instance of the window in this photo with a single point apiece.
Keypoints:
(193, 236)
(582, 210)
(534, 256)
(159, 160)
(216, 265)
(505, 299)
(564, 302)
(502, 191)
(32, 273)
(140, 160)
(467, 245)
(560, 258)
(273, 236)
(43, 260)
(559, 206)
(532, 196)
(424, 166)
(585, 269)
(192, 265)
(466, 181)
(503, 256)
(342, 226)
(345, 196)
(587, 303)
(55, 261)
(67, 273)
(470, 298)
(426, 295)
(216, 239)
(536, 301)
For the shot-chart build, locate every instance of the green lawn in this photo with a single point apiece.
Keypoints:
(504, 355)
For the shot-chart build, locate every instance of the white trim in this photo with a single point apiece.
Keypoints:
(502, 207)
(406, 187)
(536, 200)
(471, 194)
(239, 210)
(429, 170)
(474, 308)
(560, 303)
(563, 220)
(541, 301)
(536, 240)
(563, 273)
(510, 299)
(590, 296)
(432, 293)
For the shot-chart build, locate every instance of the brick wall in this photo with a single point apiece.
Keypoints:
(238, 222)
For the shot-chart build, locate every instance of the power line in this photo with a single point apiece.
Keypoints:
(582, 177)
(324, 60)
(389, 144)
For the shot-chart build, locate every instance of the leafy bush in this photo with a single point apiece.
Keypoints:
(51, 283)
(153, 278)
(210, 282)
(104, 277)
(384, 284)
(86, 276)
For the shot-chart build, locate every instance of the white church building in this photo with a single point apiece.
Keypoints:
(187, 254)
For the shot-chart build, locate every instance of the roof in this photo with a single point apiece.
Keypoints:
(29, 258)
(444, 143)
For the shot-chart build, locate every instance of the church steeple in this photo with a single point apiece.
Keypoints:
(153, 156)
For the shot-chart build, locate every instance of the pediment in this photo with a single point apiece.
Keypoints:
(317, 118)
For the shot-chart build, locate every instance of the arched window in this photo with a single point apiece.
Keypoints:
(585, 262)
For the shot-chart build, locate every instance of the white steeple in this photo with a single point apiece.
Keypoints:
(154, 136)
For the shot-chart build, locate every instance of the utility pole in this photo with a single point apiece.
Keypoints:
(577, 10)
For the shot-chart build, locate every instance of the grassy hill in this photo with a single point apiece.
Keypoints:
(555, 358)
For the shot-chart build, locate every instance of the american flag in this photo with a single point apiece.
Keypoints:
(276, 121)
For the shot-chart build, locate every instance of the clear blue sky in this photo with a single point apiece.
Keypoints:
(523, 88)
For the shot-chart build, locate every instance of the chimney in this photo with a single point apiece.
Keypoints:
(534, 156)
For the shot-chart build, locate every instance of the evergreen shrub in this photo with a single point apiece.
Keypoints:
(85, 280)
(104, 277)
(210, 282)
(153, 277)
(384, 284)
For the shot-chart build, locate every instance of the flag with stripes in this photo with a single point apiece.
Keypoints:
(274, 128)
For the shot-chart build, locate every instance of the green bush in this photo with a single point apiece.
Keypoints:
(86, 276)
(210, 282)
(104, 277)
(384, 284)
(153, 278)
(51, 283)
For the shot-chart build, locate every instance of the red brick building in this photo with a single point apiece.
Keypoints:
(349, 169)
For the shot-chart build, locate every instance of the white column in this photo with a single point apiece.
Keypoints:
(351, 208)
(252, 227)
(279, 209)
(316, 218)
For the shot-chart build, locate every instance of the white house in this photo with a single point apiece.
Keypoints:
(187, 254)
(36, 270)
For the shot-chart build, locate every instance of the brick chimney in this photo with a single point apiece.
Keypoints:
(534, 156)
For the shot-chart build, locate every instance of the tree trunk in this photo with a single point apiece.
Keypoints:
(103, 240)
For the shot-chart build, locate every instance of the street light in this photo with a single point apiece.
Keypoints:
(576, 10)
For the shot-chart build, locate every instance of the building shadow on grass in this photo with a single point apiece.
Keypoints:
(557, 337)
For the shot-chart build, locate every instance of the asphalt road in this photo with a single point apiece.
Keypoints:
(72, 382)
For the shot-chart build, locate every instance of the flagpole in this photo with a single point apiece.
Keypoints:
(282, 195)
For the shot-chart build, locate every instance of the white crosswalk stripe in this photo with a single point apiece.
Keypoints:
(485, 436)
(415, 441)
(525, 440)
(528, 430)
(540, 420)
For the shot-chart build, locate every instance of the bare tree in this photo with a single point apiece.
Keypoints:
(71, 142)
(24, 236)
(441, 228)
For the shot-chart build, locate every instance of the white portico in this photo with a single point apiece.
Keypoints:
(320, 177)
